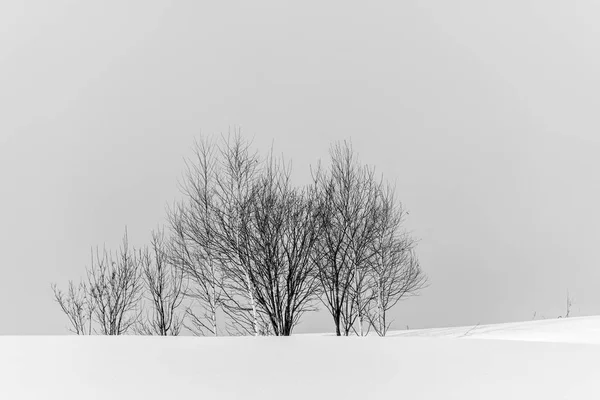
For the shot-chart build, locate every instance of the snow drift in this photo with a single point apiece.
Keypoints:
(410, 364)
(562, 330)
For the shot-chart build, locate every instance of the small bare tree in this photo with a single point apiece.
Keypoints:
(109, 299)
(395, 271)
(76, 306)
(115, 289)
(164, 286)
(569, 305)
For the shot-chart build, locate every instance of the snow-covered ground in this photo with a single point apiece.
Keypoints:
(548, 359)
(562, 330)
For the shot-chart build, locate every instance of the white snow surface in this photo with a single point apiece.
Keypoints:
(561, 330)
(548, 359)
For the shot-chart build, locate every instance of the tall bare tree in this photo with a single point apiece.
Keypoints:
(395, 272)
(280, 233)
(348, 193)
(164, 287)
(208, 227)
(115, 289)
(191, 223)
(239, 169)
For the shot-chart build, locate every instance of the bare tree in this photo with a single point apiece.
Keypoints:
(569, 305)
(208, 229)
(348, 194)
(281, 231)
(164, 285)
(239, 169)
(191, 224)
(395, 271)
(115, 289)
(76, 306)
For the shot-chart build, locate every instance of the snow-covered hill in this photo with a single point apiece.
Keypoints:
(548, 359)
(563, 330)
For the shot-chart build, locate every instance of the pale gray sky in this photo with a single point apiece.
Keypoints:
(485, 113)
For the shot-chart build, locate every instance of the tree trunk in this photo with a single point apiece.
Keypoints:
(213, 299)
(253, 305)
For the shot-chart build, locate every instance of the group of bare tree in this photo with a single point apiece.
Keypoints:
(113, 298)
(366, 263)
(252, 253)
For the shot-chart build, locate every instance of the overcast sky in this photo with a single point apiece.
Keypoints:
(485, 114)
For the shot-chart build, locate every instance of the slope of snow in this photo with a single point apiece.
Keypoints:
(407, 365)
(563, 330)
